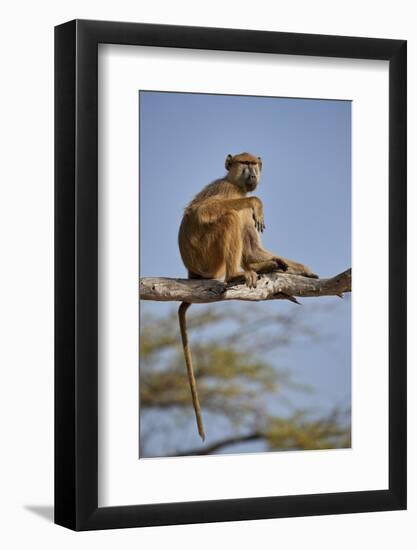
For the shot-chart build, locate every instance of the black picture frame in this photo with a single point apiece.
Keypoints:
(76, 272)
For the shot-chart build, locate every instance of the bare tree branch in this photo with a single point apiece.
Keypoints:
(270, 286)
(209, 449)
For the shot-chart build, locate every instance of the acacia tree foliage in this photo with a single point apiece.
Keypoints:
(238, 384)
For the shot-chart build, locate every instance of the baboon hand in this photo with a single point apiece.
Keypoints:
(281, 264)
(258, 214)
(259, 223)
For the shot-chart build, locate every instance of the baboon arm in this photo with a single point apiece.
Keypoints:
(211, 211)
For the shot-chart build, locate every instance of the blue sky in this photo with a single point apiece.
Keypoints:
(305, 146)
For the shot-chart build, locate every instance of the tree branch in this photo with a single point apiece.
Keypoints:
(209, 449)
(271, 286)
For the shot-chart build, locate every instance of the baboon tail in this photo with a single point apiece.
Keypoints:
(190, 371)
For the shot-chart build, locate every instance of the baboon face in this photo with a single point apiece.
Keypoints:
(244, 170)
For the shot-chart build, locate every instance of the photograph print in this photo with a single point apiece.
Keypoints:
(245, 280)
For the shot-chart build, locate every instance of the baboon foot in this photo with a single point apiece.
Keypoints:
(306, 272)
(251, 278)
(248, 277)
(303, 270)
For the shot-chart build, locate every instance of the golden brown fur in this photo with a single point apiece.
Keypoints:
(219, 232)
(219, 236)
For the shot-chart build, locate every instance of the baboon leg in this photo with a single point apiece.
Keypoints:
(299, 269)
(232, 244)
(233, 247)
(254, 257)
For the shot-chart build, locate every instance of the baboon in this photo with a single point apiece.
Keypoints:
(219, 236)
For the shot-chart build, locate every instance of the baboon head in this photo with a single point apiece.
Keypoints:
(244, 170)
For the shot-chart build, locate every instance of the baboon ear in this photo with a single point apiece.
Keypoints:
(260, 162)
(228, 162)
